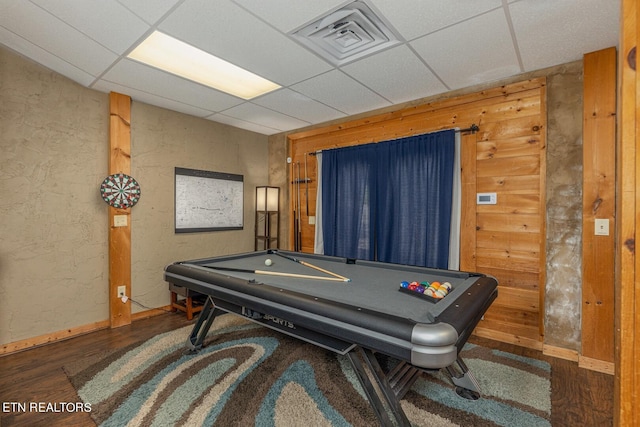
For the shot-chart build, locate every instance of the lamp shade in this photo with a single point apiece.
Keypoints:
(267, 199)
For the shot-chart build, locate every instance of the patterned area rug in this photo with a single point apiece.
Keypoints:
(249, 375)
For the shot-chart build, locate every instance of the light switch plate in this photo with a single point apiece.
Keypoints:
(119, 220)
(602, 227)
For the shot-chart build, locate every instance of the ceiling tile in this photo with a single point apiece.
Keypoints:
(151, 99)
(232, 121)
(106, 21)
(472, 52)
(150, 10)
(582, 26)
(414, 18)
(263, 116)
(66, 43)
(147, 79)
(287, 15)
(399, 75)
(229, 32)
(341, 92)
(297, 105)
(44, 58)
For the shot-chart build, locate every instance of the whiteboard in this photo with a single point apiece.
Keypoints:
(208, 201)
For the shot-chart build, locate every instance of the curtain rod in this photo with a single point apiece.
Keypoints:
(473, 129)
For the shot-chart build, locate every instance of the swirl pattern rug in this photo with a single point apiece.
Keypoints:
(249, 375)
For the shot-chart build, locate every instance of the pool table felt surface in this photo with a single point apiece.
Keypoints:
(373, 285)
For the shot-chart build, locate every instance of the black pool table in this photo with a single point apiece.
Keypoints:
(351, 307)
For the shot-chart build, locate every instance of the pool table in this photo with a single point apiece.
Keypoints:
(352, 307)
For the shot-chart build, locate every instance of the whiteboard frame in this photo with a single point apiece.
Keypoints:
(199, 186)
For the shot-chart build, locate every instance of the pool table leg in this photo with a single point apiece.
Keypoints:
(202, 325)
(466, 384)
(384, 400)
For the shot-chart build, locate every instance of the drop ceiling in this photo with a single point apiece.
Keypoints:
(442, 45)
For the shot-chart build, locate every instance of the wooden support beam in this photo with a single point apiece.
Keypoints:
(119, 236)
(598, 204)
(627, 325)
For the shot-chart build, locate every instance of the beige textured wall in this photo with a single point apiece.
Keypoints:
(54, 228)
(563, 297)
(162, 140)
(53, 235)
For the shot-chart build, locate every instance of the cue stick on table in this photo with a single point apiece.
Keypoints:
(306, 264)
(277, 273)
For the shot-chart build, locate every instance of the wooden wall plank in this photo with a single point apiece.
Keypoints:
(468, 180)
(119, 237)
(525, 184)
(514, 147)
(514, 279)
(543, 209)
(500, 239)
(627, 363)
(510, 166)
(598, 202)
(518, 223)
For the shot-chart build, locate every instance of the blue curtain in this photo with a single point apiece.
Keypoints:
(348, 194)
(390, 201)
(414, 195)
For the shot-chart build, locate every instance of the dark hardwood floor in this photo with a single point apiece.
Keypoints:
(579, 397)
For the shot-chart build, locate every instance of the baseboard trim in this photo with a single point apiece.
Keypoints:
(549, 350)
(597, 365)
(65, 334)
(508, 338)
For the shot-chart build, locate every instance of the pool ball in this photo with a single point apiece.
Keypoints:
(268, 262)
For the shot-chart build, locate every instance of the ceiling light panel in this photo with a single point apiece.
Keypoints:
(166, 53)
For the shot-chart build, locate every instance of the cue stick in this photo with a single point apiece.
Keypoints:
(306, 183)
(276, 273)
(306, 264)
(299, 209)
(293, 196)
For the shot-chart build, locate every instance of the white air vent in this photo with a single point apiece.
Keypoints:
(347, 34)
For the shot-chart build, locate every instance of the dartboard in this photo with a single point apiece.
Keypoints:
(120, 191)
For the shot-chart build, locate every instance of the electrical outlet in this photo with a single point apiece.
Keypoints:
(122, 290)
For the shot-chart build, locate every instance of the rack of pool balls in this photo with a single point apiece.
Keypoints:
(433, 291)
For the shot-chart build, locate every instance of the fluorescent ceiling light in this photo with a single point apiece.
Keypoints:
(171, 55)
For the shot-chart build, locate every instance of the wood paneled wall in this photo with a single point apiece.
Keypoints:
(506, 156)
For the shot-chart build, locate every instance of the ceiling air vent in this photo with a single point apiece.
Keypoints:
(347, 34)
